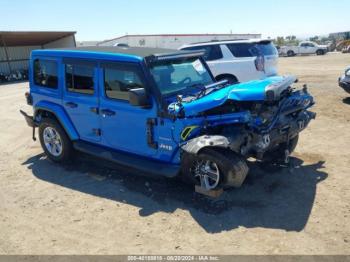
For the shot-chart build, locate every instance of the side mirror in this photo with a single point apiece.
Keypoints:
(138, 97)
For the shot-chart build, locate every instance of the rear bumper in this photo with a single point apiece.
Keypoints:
(29, 119)
(345, 85)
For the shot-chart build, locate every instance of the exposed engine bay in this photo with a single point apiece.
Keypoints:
(271, 122)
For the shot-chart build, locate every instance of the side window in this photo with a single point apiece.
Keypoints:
(45, 73)
(242, 49)
(212, 52)
(80, 78)
(118, 81)
(304, 45)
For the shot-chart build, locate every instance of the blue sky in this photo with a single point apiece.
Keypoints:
(104, 19)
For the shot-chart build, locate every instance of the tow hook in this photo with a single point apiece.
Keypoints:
(286, 156)
(33, 135)
(301, 124)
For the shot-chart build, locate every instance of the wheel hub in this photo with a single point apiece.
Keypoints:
(207, 174)
(52, 141)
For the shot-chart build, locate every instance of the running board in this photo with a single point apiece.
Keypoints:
(121, 158)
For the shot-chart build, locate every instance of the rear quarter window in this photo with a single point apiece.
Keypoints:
(80, 79)
(252, 49)
(212, 52)
(45, 73)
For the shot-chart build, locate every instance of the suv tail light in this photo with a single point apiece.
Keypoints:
(260, 63)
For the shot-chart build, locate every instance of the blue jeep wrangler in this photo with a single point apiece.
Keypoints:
(161, 112)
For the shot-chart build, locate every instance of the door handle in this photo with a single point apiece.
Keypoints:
(107, 112)
(71, 105)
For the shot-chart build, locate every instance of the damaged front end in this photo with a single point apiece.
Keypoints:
(251, 118)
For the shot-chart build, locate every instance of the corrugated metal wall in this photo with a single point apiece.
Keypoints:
(18, 56)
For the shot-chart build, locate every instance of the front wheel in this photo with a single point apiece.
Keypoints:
(54, 140)
(215, 168)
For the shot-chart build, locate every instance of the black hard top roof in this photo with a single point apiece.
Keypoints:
(136, 51)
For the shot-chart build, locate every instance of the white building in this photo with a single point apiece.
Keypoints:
(172, 41)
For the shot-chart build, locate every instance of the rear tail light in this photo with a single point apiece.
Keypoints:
(260, 63)
(29, 98)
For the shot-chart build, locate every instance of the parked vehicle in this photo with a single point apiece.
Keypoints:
(121, 45)
(239, 60)
(3, 78)
(346, 49)
(344, 81)
(160, 111)
(304, 48)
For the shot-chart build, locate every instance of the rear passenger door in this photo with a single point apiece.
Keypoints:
(80, 98)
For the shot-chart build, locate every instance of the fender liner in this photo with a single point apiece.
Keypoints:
(194, 145)
(61, 116)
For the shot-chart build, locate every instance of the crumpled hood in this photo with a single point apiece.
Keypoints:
(256, 90)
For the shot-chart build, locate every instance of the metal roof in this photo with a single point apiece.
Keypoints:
(31, 38)
(173, 35)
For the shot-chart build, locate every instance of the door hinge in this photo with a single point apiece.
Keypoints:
(94, 110)
(96, 131)
(151, 122)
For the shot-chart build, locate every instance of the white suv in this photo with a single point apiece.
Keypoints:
(239, 60)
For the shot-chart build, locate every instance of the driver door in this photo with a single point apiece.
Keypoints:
(123, 126)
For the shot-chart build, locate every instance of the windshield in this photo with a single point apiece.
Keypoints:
(176, 76)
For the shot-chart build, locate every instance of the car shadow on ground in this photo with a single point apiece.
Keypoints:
(346, 100)
(272, 196)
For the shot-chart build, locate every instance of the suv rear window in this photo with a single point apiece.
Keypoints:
(212, 52)
(252, 49)
(45, 73)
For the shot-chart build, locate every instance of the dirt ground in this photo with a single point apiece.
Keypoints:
(89, 207)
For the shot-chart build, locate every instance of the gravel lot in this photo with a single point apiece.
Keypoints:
(91, 207)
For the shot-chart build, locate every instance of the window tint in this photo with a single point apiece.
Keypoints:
(212, 52)
(119, 81)
(241, 49)
(80, 78)
(45, 73)
(267, 48)
(252, 49)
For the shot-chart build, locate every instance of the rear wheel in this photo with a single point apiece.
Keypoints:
(290, 53)
(319, 52)
(215, 168)
(54, 140)
(230, 79)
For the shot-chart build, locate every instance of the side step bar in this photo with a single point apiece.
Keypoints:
(145, 165)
